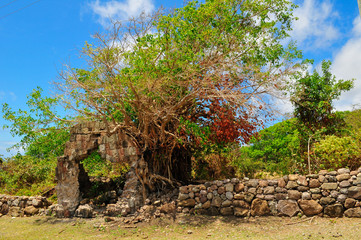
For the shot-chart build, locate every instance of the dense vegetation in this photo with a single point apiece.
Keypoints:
(193, 88)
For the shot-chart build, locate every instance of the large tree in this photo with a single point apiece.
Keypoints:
(203, 74)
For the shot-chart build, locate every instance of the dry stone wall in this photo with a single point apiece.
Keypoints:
(333, 194)
(19, 206)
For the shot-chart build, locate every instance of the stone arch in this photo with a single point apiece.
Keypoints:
(85, 138)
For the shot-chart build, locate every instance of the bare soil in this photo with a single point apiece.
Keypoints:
(183, 227)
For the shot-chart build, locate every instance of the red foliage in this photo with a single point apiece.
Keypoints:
(227, 125)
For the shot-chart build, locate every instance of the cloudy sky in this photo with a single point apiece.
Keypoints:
(38, 36)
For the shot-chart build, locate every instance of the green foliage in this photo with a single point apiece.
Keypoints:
(27, 175)
(42, 135)
(245, 165)
(273, 150)
(334, 152)
(353, 119)
(96, 166)
(277, 146)
(313, 97)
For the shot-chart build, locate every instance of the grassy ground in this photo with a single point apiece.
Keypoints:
(184, 227)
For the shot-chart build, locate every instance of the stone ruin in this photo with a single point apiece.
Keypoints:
(73, 181)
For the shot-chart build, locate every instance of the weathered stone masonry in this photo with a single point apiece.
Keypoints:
(334, 194)
(85, 138)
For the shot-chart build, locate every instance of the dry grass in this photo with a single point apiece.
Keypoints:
(185, 227)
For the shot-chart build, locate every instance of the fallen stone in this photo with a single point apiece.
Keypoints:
(84, 211)
(168, 208)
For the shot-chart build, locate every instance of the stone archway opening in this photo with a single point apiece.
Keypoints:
(73, 181)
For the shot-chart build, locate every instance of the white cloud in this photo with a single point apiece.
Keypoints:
(316, 26)
(7, 95)
(120, 10)
(347, 65)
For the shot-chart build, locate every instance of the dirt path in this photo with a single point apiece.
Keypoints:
(184, 227)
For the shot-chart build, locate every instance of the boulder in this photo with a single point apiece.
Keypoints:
(343, 177)
(294, 194)
(240, 212)
(288, 208)
(354, 192)
(259, 207)
(329, 186)
(31, 210)
(310, 207)
(327, 200)
(350, 203)
(314, 183)
(239, 187)
(226, 211)
(353, 213)
(189, 202)
(15, 212)
(335, 210)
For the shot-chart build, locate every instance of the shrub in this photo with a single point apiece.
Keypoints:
(26, 175)
(335, 152)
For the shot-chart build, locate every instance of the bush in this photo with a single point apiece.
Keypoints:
(335, 152)
(26, 175)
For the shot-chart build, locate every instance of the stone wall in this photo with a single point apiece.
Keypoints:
(19, 206)
(334, 194)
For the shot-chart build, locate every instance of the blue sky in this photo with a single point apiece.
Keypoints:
(38, 37)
